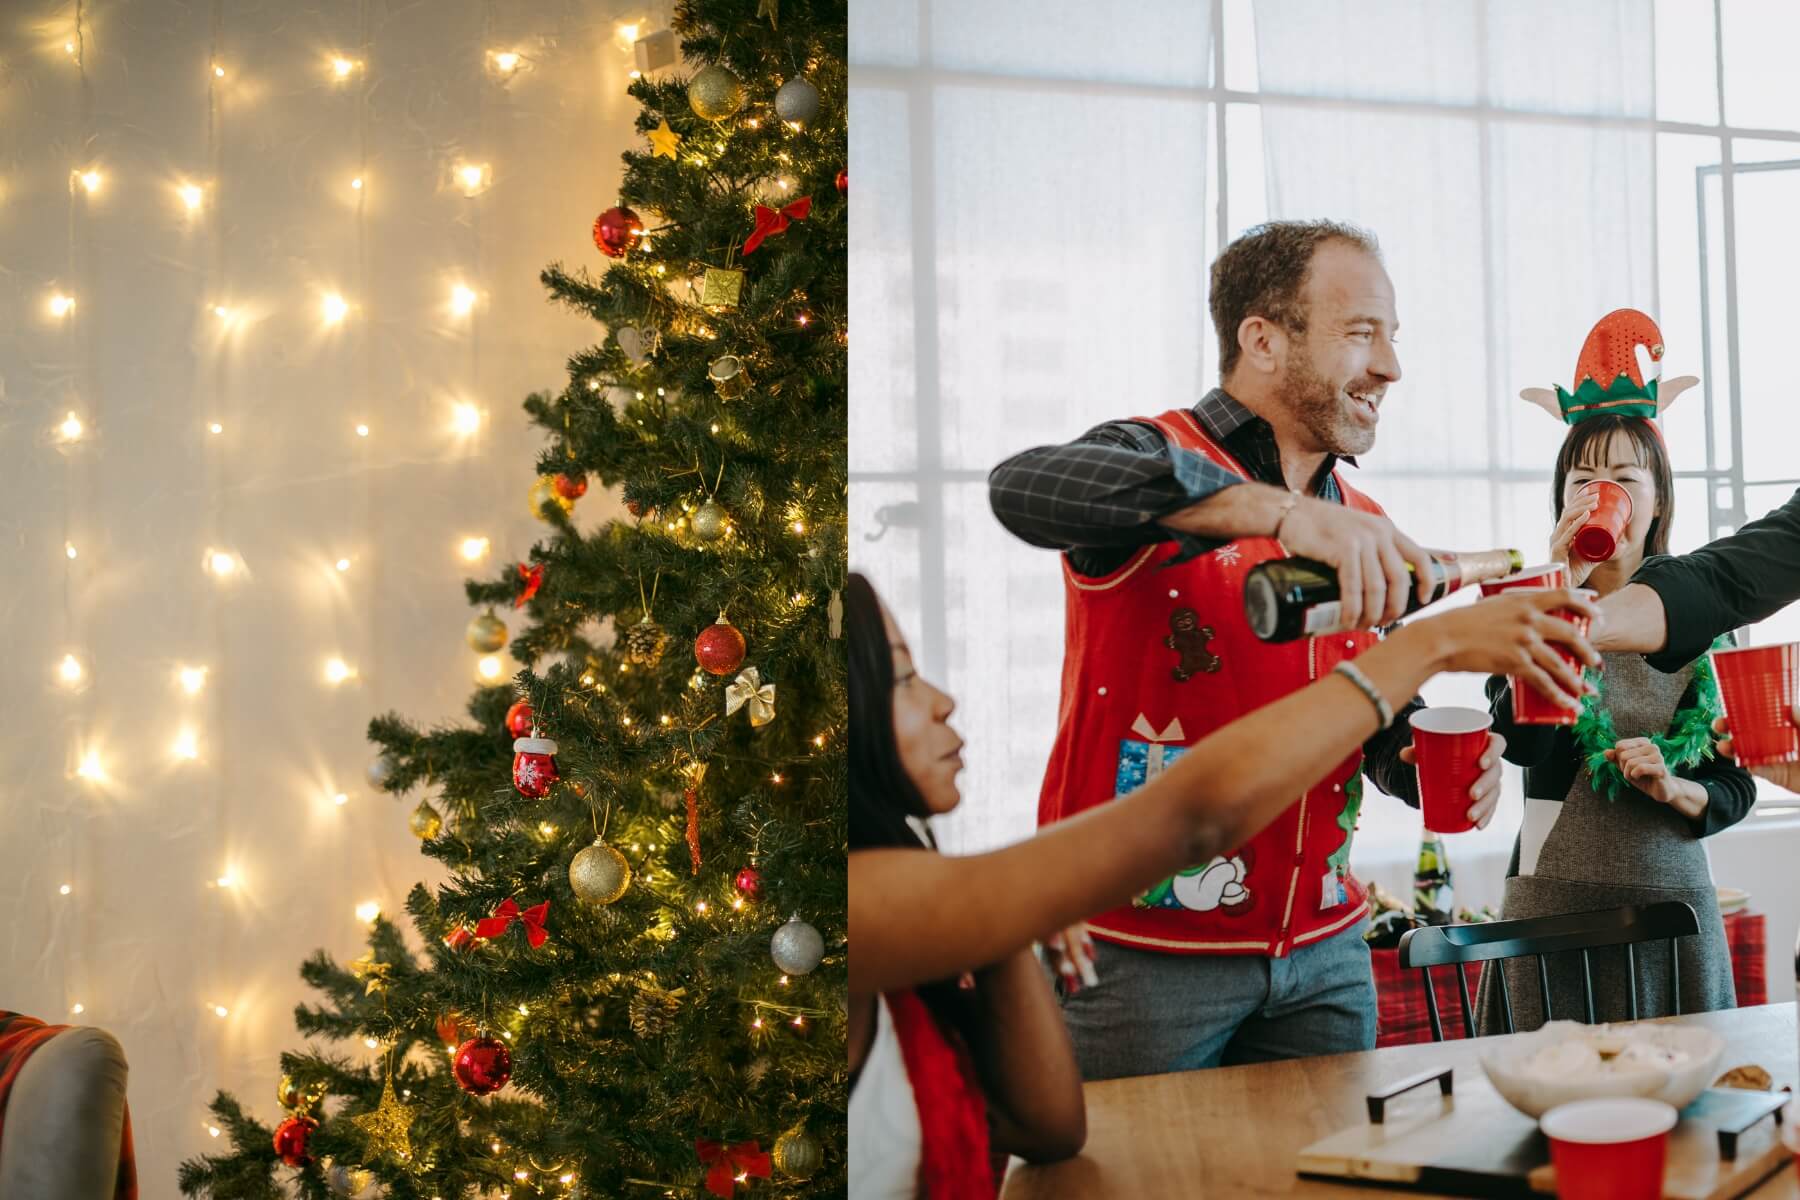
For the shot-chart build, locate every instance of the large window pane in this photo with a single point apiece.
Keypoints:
(1759, 39)
(885, 33)
(1686, 62)
(1678, 292)
(1004, 612)
(884, 360)
(1068, 231)
(1768, 261)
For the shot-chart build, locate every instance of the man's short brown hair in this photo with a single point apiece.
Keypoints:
(1261, 274)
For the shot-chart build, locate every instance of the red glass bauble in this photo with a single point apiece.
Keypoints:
(290, 1140)
(720, 648)
(459, 939)
(519, 718)
(616, 231)
(571, 487)
(483, 1065)
(843, 179)
(749, 882)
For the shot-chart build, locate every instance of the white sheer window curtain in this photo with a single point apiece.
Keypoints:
(1029, 207)
(1506, 167)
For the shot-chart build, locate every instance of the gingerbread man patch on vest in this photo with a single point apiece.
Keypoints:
(1188, 638)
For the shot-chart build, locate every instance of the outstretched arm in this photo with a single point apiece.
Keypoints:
(917, 916)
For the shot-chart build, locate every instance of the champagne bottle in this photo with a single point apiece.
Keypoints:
(1434, 899)
(1288, 598)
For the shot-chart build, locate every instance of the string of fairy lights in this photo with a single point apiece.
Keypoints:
(199, 199)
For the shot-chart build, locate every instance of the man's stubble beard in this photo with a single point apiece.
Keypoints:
(1317, 407)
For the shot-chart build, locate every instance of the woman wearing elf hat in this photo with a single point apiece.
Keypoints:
(1616, 804)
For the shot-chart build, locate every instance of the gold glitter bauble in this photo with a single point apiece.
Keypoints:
(709, 521)
(599, 874)
(425, 821)
(296, 1099)
(544, 494)
(486, 633)
(715, 93)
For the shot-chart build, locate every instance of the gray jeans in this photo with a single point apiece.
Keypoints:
(1154, 1013)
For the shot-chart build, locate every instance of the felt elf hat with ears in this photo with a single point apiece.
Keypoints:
(1607, 376)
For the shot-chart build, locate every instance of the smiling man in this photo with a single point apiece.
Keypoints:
(1259, 953)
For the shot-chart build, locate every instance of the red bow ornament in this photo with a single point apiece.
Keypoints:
(507, 913)
(533, 578)
(770, 222)
(726, 1163)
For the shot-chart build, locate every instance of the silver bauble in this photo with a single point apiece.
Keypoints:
(796, 947)
(378, 771)
(797, 101)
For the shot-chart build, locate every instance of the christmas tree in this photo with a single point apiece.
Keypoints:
(634, 981)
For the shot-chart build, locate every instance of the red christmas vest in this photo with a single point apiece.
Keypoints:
(1155, 658)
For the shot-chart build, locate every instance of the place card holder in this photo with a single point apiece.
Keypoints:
(1378, 1100)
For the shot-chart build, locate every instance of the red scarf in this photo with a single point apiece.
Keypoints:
(952, 1114)
(20, 1036)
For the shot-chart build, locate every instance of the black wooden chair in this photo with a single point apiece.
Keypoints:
(1453, 945)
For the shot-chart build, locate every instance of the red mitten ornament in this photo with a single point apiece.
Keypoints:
(534, 766)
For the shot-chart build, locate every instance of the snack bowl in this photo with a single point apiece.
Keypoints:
(1566, 1061)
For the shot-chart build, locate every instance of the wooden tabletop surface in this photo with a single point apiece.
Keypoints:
(1237, 1131)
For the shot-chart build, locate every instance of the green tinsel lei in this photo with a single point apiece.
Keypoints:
(1688, 741)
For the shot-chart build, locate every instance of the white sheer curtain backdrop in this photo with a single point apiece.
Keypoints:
(1507, 231)
(106, 537)
(1029, 227)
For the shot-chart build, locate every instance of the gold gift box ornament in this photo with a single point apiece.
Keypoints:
(720, 287)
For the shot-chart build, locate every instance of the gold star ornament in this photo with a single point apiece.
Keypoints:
(388, 1126)
(663, 140)
(375, 973)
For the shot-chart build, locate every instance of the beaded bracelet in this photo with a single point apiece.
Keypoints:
(1353, 673)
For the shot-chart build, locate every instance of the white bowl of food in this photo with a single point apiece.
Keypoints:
(1566, 1061)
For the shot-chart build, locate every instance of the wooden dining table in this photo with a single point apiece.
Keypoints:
(1238, 1131)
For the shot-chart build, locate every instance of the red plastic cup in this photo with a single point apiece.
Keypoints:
(1598, 538)
(1532, 707)
(1758, 685)
(1612, 1149)
(1448, 744)
(1550, 575)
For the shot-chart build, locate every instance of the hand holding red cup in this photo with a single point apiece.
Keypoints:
(1455, 754)
(1534, 707)
(1760, 687)
(1598, 538)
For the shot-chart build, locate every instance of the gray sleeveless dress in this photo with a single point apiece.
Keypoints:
(1586, 852)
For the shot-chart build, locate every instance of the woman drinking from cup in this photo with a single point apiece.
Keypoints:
(1619, 792)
